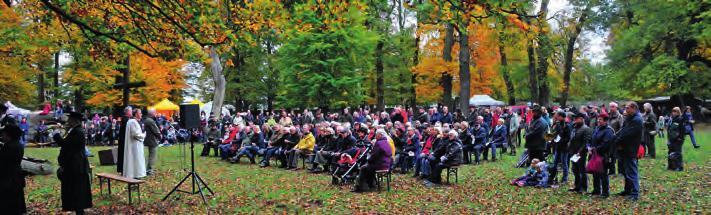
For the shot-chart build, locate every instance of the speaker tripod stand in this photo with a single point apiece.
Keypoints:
(197, 183)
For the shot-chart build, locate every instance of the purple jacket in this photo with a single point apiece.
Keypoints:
(381, 155)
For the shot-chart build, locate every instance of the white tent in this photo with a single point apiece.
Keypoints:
(14, 110)
(484, 100)
(207, 108)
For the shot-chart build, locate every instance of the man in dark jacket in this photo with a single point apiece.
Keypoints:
(480, 133)
(582, 134)
(327, 149)
(559, 145)
(627, 141)
(535, 143)
(12, 179)
(128, 114)
(615, 122)
(602, 145)
(151, 140)
(380, 158)
(74, 172)
(498, 139)
(447, 154)
(446, 116)
(422, 116)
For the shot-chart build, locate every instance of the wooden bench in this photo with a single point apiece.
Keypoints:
(453, 170)
(130, 181)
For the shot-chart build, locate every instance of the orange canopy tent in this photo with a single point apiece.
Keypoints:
(166, 108)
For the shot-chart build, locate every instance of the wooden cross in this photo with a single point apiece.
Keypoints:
(124, 84)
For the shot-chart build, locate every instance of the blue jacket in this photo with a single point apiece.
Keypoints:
(628, 139)
(500, 135)
(602, 140)
(480, 136)
(446, 118)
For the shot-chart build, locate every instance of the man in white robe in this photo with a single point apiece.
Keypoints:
(134, 165)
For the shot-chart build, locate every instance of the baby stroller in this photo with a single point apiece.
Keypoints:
(347, 167)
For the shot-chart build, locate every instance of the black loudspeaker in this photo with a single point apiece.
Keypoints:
(189, 116)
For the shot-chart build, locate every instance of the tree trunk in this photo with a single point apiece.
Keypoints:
(447, 56)
(464, 74)
(532, 77)
(413, 78)
(56, 75)
(379, 97)
(79, 100)
(544, 52)
(569, 52)
(125, 80)
(40, 85)
(219, 78)
(505, 72)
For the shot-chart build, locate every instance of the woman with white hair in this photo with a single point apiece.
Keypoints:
(380, 158)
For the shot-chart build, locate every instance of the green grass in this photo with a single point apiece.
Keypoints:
(245, 188)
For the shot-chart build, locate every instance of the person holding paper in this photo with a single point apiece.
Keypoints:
(582, 134)
(562, 131)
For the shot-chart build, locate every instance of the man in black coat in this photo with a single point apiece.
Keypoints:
(447, 154)
(535, 143)
(73, 171)
(559, 145)
(627, 141)
(128, 114)
(12, 180)
(582, 135)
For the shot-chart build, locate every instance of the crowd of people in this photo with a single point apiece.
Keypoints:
(423, 141)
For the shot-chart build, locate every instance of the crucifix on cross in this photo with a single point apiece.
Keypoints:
(124, 84)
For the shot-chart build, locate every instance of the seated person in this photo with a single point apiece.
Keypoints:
(227, 146)
(274, 144)
(447, 154)
(498, 139)
(422, 166)
(213, 140)
(303, 148)
(536, 175)
(327, 152)
(251, 143)
(480, 133)
(411, 150)
(465, 136)
(289, 142)
(380, 158)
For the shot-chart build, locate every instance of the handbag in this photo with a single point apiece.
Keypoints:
(640, 152)
(595, 164)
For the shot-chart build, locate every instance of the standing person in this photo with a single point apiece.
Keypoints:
(616, 121)
(676, 140)
(601, 144)
(650, 123)
(582, 134)
(661, 125)
(514, 123)
(535, 143)
(25, 128)
(128, 114)
(74, 171)
(153, 136)
(689, 126)
(562, 131)
(134, 162)
(12, 179)
(627, 142)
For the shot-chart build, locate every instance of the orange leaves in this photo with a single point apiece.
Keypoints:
(163, 79)
(515, 20)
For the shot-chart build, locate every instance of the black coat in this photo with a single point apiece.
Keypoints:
(534, 135)
(564, 130)
(602, 140)
(627, 140)
(121, 143)
(581, 138)
(12, 180)
(74, 172)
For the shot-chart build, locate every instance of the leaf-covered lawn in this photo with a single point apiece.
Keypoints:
(246, 188)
